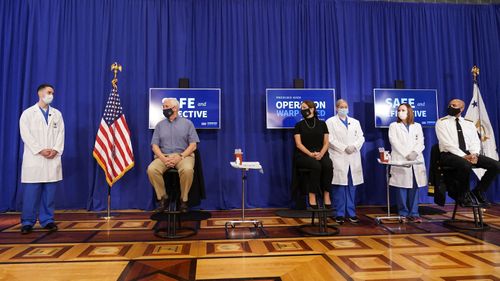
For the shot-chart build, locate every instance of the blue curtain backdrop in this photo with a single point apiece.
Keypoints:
(243, 47)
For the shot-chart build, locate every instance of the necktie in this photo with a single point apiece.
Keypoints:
(461, 139)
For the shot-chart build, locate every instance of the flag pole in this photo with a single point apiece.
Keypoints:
(115, 67)
(475, 74)
(108, 214)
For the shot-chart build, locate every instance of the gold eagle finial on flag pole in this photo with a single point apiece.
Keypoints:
(475, 72)
(115, 67)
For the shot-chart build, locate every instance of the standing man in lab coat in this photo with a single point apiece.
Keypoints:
(407, 143)
(42, 131)
(346, 139)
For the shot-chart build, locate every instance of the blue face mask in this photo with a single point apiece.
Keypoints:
(343, 111)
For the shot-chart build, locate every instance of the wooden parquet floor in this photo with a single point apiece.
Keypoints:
(124, 248)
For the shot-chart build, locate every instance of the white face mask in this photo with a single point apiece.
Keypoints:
(402, 115)
(47, 99)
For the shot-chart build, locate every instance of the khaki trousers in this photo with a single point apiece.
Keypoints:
(186, 172)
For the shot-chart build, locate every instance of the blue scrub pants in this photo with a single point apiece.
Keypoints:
(408, 201)
(38, 202)
(344, 198)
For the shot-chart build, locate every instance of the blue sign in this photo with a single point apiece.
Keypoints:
(283, 105)
(201, 106)
(422, 101)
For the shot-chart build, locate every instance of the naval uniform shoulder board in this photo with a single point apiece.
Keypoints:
(468, 120)
(444, 118)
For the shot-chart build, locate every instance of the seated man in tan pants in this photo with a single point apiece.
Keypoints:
(173, 143)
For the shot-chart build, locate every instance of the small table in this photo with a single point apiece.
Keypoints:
(388, 165)
(244, 167)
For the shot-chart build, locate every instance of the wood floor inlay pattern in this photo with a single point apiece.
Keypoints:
(97, 225)
(126, 249)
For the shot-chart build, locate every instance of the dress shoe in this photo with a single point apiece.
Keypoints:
(481, 198)
(313, 206)
(26, 229)
(184, 207)
(328, 206)
(339, 219)
(353, 219)
(415, 219)
(162, 205)
(466, 202)
(51, 227)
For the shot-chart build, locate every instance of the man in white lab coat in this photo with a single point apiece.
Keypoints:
(42, 131)
(346, 139)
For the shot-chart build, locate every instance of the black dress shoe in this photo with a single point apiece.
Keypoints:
(315, 207)
(26, 229)
(466, 202)
(481, 198)
(354, 219)
(51, 226)
(184, 207)
(339, 219)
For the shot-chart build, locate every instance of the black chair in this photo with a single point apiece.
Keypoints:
(169, 222)
(442, 181)
(171, 217)
(322, 228)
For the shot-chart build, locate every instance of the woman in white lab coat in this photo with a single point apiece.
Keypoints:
(42, 131)
(345, 141)
(407, 143)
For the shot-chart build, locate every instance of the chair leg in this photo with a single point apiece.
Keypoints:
(454, 211)
(321, 215)
(323, 222)
(474, 212)
(174, 228)
(168, 224)
(480, 214)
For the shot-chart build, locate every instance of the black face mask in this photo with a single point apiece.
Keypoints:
(453, 111)
(305, 112)
(168, 112)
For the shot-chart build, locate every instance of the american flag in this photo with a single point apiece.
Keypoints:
(113, 149)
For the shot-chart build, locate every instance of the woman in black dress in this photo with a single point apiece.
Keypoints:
(311, 141)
